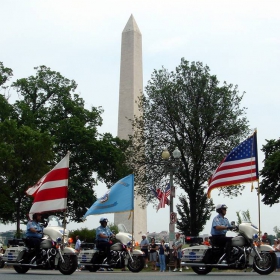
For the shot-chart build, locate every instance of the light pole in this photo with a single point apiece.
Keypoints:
(171, 165)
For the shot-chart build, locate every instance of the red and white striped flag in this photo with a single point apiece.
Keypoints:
(162, 201)
(50, 192)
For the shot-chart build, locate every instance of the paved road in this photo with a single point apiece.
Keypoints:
(10, 274)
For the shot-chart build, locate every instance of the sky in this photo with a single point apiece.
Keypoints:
(81, 39)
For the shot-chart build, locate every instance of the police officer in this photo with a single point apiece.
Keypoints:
(34, 232)
(220, 226)
(103, 234)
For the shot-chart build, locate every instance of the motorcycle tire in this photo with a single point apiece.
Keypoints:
(21, 269)
(92, 268)
(69, 265)
(137, 264)
(267, 264)
(201, 270)
(2, 263)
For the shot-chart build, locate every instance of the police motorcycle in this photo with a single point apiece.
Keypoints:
(122, 254)
(54, 253)
(246, 251)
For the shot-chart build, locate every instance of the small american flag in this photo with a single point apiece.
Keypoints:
(162, 196)
(239, 166)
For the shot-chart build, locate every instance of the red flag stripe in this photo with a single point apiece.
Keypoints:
(233, 174)
(57, 174)
(50, 194)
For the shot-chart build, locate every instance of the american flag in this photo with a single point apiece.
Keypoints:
(162, 196)
(239, 166)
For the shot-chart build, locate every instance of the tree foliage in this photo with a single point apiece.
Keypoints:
(89, 235)
(270, 184)
(36, 132)
(203, 210)
(188, 109)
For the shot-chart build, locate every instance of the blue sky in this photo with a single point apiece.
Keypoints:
(81, 39)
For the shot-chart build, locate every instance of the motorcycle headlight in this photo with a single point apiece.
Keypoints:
(58, 239)
(255, 236)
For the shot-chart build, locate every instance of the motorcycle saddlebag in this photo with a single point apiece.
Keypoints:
(85, 256)
(194, 254)
(11, 254)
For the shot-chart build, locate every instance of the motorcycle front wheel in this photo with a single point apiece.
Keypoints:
(266, 265)
(69, 265)
(137, 264)
(92, 268)
(201, 270)
(21, 269)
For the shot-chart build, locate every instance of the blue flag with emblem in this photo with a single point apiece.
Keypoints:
(119, 198)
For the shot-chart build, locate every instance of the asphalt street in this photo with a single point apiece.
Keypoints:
(10, 274)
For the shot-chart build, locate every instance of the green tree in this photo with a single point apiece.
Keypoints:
(48, 105)
(270, 183)
(89, 235)
(183, 223)
(24, 154)
(5, 74)
(188, 109)
(277, 231)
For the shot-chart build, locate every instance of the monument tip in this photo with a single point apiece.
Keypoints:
(131, 25)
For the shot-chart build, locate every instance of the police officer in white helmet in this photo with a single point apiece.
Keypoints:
(103, 235)
(220, 226)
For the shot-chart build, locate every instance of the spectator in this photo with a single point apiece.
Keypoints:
(265, 239)
(206, 241)
(144, 246)
(276, 248)
(162, 252)
(177, 247)
(153, 253)
(77, 250)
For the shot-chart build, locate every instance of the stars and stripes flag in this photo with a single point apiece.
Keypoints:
(238, 167)
(50, 192)
(162, 196)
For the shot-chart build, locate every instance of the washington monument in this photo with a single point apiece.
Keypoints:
(131, 87)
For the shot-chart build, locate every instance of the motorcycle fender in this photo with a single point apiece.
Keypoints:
(265, 247)
(261, 248)
(137, 252)
(65, 251)
(68, 251)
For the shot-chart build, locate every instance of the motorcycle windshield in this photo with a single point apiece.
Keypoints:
(53, 221)
(122, 228)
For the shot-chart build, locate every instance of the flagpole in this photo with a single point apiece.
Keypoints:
(64, 218)
(259, 209)
(132, 229)
(257, 169)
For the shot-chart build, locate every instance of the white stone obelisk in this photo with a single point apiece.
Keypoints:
(131, 87)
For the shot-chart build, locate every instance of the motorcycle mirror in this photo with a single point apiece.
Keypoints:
(233, 223)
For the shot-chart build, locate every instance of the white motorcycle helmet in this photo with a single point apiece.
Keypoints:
(102, 220)
(219, 208)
